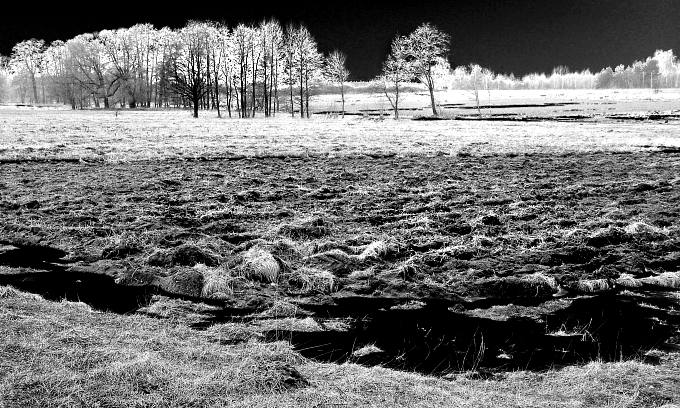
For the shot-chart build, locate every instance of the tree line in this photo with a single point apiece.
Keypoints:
(662, 70)
(265, 68)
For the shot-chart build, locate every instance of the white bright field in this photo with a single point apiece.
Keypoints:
(600, 101)
(48, 133)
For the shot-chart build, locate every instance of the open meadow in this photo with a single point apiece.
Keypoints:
(527, 256)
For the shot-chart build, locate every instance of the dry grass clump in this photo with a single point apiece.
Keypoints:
(378, 250)
(666, 280)
(607, 236)
(125, 244)
(531, 285)
(336, 261)
(285, 249)
(408, 269)
(481, 241)
(506, 312)
(374, 250)
(178, 311)
(576, 235)
(218, 283)
(340, 262)
(269, 368)
(281, 308)
(260, 264)
(539, 279)
(362, 274)
(641, 230)
(185, 254)
(306, 228)
(315, 247)
(216, 214)
(310, 279)
(290, 324)
(185, 282)
(628, 281)
(591, 285)
(366, 350)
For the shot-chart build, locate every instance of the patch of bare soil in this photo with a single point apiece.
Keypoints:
(426, 263)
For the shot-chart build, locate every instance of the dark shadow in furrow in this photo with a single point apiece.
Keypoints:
(99, 291)
(435, 339)
(43, 273)
(438, 341)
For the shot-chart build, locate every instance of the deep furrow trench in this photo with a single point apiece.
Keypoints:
(429, 337)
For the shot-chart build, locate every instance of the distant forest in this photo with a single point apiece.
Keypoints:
(263, 69)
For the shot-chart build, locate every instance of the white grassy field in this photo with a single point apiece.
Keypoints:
(589, 100)
(48, 133)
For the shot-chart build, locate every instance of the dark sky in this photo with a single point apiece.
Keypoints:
(519, 36)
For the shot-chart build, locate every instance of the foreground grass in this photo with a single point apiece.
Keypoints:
(65, 354)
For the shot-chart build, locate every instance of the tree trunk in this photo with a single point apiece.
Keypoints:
(307, 93)
(396, 101)
(217, 95)
(302, 96)
(342, 95)
(292, 106)
(35, 89)
(196, 102)
(434, 107)
(265, 99)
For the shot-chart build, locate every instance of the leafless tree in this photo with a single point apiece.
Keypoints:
(27, 58)
(4, 78)
(427, 46)
(189, 70)
(289, 47)
(396, 70)
(336, 71)
(270, 41)
(309, 62)
(243, 38)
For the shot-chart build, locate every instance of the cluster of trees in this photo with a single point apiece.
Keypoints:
(422, 55)
(266, 68)
(203, 65)
(246, 69)
(659, 71)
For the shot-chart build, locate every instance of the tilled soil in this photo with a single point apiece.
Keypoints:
(469, 240)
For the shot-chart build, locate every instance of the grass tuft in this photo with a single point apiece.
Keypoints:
(260, 264)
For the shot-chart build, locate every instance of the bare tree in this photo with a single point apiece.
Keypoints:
(270, 51)
(476, 75)
(92, 69)
(242, 37)
(229, 65)
(337, 72)
(396, 69)
(189, 69)
(427, 46)
(309, 62)
(27, 58)
(289, 46)
(59, 67)
(4, 78)
(216, 57)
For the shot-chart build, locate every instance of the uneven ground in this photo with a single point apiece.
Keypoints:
(445, 248)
